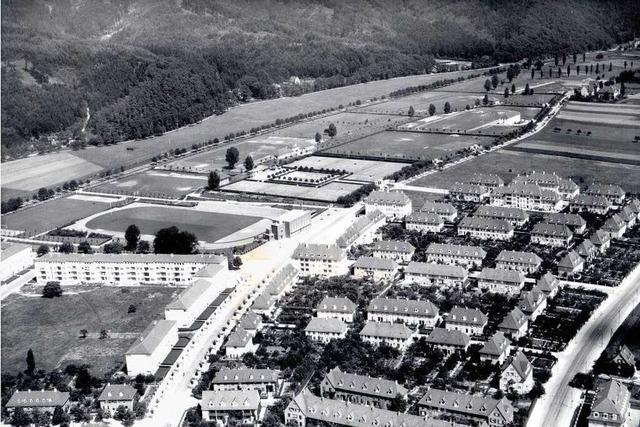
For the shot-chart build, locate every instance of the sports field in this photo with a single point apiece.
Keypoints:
(154, 183)
(476, 120)
(327, 193)
(363, 170)
(51, 327)
(207, 226)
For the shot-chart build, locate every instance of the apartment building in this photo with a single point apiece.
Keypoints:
(593, 204)
(613, 193)
(267, 382)
(221, 406)
(410, 312)
(448, 341)
(360, 389)
(469, 192)
(41, 400)
(468, 256)
(615, 226)
(395, 335)
(325, 330)
(556, 235)
(493, 412)
(444, 210)
(336, 308)
(430, 274)
(524, 262)
(488, 180)
(574, 222)
(566, 188)
(471, 321)
(314, 259)
(530, 197)
(424, 222)
(153, 346)
(393, 204)
(397, 250)
(515, 216)
(378, 269)
(485, 229)
(501, 281)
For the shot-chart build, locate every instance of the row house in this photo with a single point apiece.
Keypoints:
(336, 308)
(279, 283)
(514, 324)
(601, 240)
(501, 281)
(267, 382)
(360, 389)
(593, 204)
(566, 188)
(325, 330)
(444, 210)
(314, 259)
(515, 216)
(41, 400)
(614, 193)
(397, 250)
(466, 255)
(615, 226)
(239, 343)
(525, 262)
(517, 375)
(393, 204)
(571, 263)
(411, 312)
(395, 335)
(493, 412)
(548, 284)
(429, 274)
(556, 235)
(488, 180)
(469, 192)
(363, 229)
(496, 349)
(529, 197)
(532, 303)
(424, 222)
(191, 302)
(448, 341)
(220, 407)
(147, 353)
(574, 222)
(611, 405)
(368, 267)
(470, 321)
(485, 229)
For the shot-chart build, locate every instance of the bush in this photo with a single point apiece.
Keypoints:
(52, 290)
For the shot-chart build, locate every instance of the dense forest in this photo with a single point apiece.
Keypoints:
(104, 72)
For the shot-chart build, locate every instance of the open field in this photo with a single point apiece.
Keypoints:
(409, 145)
(602, 114)
(361, 170)
(207, 226)
(51, 214)
(154, 183)
(327, 193)
(508, 164)
(51, 327)
(349, 123)
(29, 174)
(477, 120)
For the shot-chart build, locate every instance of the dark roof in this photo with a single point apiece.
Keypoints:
(467, 316)
(501, 275)
(496, 344)
(513, 320)
(402, 306)
(362, 384)
(519, 257)
(553, 230)
(456, 250)
(426, 268)
(115, 392)
(474, 405)
(609, 399)
(375, 263)
(336, 305)
(38, 399)
(485, 224)
(442, 336)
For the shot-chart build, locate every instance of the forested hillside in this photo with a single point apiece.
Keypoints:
(142, 67)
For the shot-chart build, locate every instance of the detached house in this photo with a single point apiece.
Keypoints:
(496, 349)
(485, 229)
(601, 240)
(221, 406)
(587, 250)
(517, 375)
(337, 308)
(533, 303)
(493, 412)
(525, 262)
(325, 330)
(570, 264)
(239, 343)
(628, 216)
(610, 406)
(615, 226)
(446, 211)
(395, 335)
(410, 312)
(393, 204)
(251, 322)
(397, 250)
(456, 254)
(436, 274)
(514, 324)
(548, 284)
(468, 320)
(447, 340)
(375, 268)
(424, 222)
(267, 382)
(556, 235)
(115, 395)
(501, 281)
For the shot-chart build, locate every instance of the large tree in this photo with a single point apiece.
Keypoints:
(31, 362)
(84, 247)
(173, 241)
(52, 290)
(332, 130)
(213, 182)
(66, 248)
(495, 81)
(132, 236)
(411, 112)
(232, 157)
(487, 85)
(447, 107)
(248, 163)
(432, 109)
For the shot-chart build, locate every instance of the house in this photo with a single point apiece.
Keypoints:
(614, 193)
(436, 274)
(634, 206)
(622, 357)
(532, 303)
(525, 262)
(485, 229)
(306, 407)
(601, 240)
(411, 312)
(515, 216)
(501, 281)
(14, 257)
(481, 409)
(264, 304)
(530, 197)
(549, 284)
(570, 264)
(628, 216)
(360, 389)
(471, 321)
(146, 354)
(42, 400)
(267, 382)
(455, 254)
(444, 210)
(395, 335)
(488, 180)
(573, 221)
(424, 222)
(448, 341)
(517, 374)
(239, 343)
(397, 250)
(191, 302)
(115, 395)
(549, 181)
(556, 235)
(336, 308)
(614, 226)
(363, 229)
(280, 281)
(251, 322)
(325, 330)
(587, 250)
(496, 349)
(221, 406)
(375, 268)
(314, 259)
(514, 324)
(610, 406)
(468, 192)
(393, 204)
(593, 204)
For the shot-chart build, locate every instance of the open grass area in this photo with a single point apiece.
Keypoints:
(363, 170)
(327, 193)
(476, 121)
(154, 183)
(51, 327)
(207, 226)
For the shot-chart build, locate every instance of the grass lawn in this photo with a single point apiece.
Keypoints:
(51, 327)
(154, 183)
(207, 226)
(327, 193)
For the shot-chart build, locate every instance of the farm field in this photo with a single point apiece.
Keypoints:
(602, 114)
(361, 170)
(397, 145)
(37, 323)
(207, 226)
(27, 175)
(154, 183)
(477, 120)
(51, 214)
(327, 193)
(508, 164)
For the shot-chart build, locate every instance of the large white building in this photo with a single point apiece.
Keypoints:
(394, 204)
(368, 267)
(455, 254)
(395, 335)
(410, 312)
(290, 223)
(529, 197)
(397, 250)
(501, 281)
(429, 274)
(146, 354)
(485, 228)
(525, 262)
(566, 188)
(123, 269)
(14, 257)
(314, 259)
(191, 302)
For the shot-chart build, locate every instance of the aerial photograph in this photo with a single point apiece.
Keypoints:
(320, 213)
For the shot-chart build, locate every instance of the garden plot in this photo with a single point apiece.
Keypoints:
(365, 170)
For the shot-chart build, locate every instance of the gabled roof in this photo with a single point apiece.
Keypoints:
(152, 336)
(634, 205)
(133, 258)
(429, 218)
(496, 345)
(387, 198)
(386, 330)
(474, 405)
(189, 296)
(250, 320)
(571, 260)
(7, 249)
(599, 238)
(485, 224)
(528, 258)
(520, 364)
(487, 179)
(463, 188)
(501, 275)
(317, 251)
(210, 270)
(263, 301)
(115, 392)
(597, 189)
(402, 307)
(330, 325)
(456, 250)
(531, 300)
(442, 336)
(230, 400)
(238, 338)
(440, 208)
(394, 246)
(614, 223)
(501, 212)
(245, 375)
(552, 230)
(336, 305)
(547, 283)
(362, 384)
(591, 201)
(371, 262)
(467, 316)
(568, 219)
(610, 398)
(585, 249)
(513, 320)
(426, 268)
(527, 190)
(36, 399)
(626, 214)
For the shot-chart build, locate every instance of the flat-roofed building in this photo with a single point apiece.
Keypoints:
(614, 193)
(424, 222)
(267, 382)
(515, 216)
(290, 223)
(593, 204)
(221, 406)
(337, 308)
(493, 412)
(239, 343)
(444, 210)
(314, 259)
(395, 335)
(496, 349)
(574, 222)
(42, 400)
(325, 330)
(525, 262)
(501, 281)
(601, 240)
(471, 321)
(556, 235)
(14, 257)
(360, 389)
(394, 204)
(611, 405)
(153, 346)
(533, 303)
(485, 229)
(397, 250)
(517, 374)
(410, 312)
(448, 341)
(548, 284)
(514, 324)
(469, 192)
(375, 268)
(455, 254)
(436, 274)
(116, 395)
(191, 302)
(571, 263)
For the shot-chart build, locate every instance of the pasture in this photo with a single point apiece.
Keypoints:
(360, 170)
(327, 193)
(51, 327)
(207, 226)
(154, 184)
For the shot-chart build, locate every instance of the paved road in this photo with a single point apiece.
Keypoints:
(16, 284)
(556, 407)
